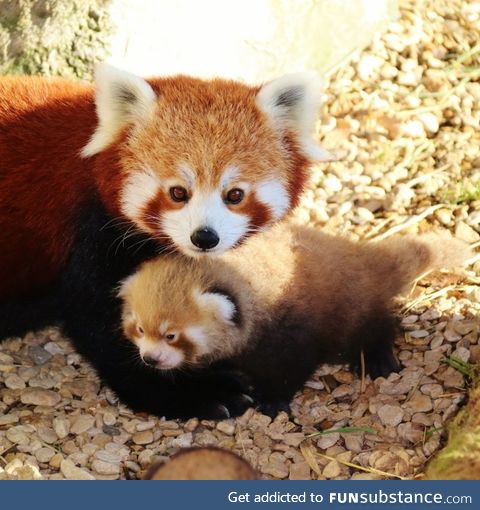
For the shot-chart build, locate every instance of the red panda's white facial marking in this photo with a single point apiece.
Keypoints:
(204, 221)
(274, 195)
(140, 188)
(204, 211)
(159, 354)
(177, 207)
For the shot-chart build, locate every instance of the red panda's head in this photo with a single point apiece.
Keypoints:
(174, 316)
(203, 164)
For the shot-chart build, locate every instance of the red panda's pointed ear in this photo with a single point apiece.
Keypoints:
(292, 102)
(121, 97)
(220, 304)
(125, 286)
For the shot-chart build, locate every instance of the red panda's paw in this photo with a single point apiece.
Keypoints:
(375, 339)
(228, 406)
(381, 362)
(223, 394)
(273, 407)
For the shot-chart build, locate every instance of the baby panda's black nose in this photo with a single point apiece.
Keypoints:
(150, 361)
(205, 238)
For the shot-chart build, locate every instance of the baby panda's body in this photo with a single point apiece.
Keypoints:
(280, 305)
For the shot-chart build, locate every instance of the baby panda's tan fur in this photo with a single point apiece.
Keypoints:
(281, 304)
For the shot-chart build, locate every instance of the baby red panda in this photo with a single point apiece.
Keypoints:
(279, 305)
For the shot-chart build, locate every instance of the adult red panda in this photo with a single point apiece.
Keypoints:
(94, 183)
(319, 299)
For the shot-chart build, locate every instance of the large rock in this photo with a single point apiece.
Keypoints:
(54, 37)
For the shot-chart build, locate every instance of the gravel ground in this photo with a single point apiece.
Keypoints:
(403, 121)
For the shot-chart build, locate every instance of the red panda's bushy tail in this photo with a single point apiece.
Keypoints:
(400, 260)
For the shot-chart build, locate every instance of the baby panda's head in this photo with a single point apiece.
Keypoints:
(174, 315)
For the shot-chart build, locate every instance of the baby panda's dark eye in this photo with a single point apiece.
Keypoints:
(178, 194)
(139, 329)
(234, 196)
(171, 337)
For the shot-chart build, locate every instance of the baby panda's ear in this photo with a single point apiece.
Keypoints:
(221, 303)
(292, 103)
(125, 286)
(121, 98)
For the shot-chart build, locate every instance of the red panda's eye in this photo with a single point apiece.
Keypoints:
(170, 337)
(140, 330)
(234, 196)
(178, 194)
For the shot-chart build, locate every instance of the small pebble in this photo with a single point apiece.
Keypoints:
(14, 382)
(82, 423)
(390, 415)
(227, 427)
(144, 437)
(112, 431)
(72, 472)
(44, 454)
(61, 426)
(332, 469)
(39, 355)
(40, 397)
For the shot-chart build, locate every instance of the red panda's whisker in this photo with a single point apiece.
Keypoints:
(114, 222)
(140, 245)
(130, 232)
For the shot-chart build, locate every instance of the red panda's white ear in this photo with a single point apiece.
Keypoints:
(220, 304)
(292, 102)
(125, 286)
(121, 98)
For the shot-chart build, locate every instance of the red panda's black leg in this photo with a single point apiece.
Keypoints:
(281, 358)
(20, 316)
(273, 407)
(376, 339)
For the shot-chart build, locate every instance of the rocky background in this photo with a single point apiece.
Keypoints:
(53, 37)
(403, 121)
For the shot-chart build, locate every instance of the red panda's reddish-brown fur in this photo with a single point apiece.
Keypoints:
(43, 127)
(45, 124)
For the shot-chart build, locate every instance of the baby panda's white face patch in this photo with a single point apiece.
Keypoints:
(198, 335)
(166, 356)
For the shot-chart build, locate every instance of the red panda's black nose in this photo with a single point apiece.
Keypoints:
(205, 238)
